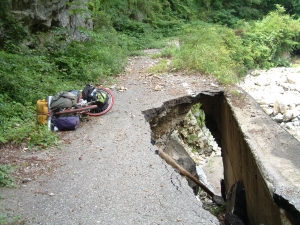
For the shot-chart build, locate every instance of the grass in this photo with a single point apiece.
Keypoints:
(161, 67)
(5, 220)
(6, 179)
(217, 210)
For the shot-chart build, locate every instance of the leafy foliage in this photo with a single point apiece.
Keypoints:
(18, 123)
(52, 64)
(6, 179)
(269, 40)
(206, 48)
(228, 53)
(199, 114)
(11, 32)
(291, 6)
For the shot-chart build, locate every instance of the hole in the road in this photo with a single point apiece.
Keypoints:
(201, 136)
(186, 133)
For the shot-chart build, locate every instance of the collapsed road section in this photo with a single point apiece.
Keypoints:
(261, 160)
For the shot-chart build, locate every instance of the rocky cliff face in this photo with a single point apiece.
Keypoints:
(41, 15)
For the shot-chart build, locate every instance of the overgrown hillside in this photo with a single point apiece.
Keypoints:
(41, 57)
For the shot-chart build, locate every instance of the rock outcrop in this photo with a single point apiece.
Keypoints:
(41, 15)
(190, 144)
(196, 137)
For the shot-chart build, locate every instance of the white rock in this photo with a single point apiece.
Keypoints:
(262, 81)
(193, 121)
(289, 126)
(218, 153)
(293, 78)
(278, 118)
(296, 112)
(200, 134)
(204, 140)
(296, 123)
(215, 147)
(288, 115)
(201, 145)
(267, 110)
(280, 106)
(158, 88)
(291, 97)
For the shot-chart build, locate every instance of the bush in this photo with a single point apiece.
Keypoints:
(52, 64)
(229, 53)
(6, 179)
(18, 124)
(269, 39)
(224, 17)
(11, 32)
(210, 49)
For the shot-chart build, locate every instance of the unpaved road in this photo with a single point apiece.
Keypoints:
(107, 171)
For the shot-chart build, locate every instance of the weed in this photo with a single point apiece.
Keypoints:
(6, 179)
(162, 66)
(217, 210)
(235, 93)
(192, 138)
(199, 114)
(155, 56)
(203, 47)
(194, 150)
(5, 219)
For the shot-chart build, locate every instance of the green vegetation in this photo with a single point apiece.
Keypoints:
(192, 138)
(228, 53)
(219, 38)
(199, 114)
(210, 54)
(269, 40)
(5, 220)
(6, 179)
(36, 73)
(217, 210)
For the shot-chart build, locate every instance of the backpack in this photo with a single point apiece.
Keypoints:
(76, 93)
(101, 97)
(102, 100)
(87, 93)
(65, 123)
(63, 99)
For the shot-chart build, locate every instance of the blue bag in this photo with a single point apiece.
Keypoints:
(65, 122)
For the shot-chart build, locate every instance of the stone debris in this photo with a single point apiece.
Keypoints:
(121, 89)
(158, 88)
(213, 85)
(277, 91)
(196, 138)
(26, 180)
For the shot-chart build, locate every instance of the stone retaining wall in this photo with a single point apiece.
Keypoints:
(261, 155)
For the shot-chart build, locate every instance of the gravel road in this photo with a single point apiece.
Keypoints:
(107, 171)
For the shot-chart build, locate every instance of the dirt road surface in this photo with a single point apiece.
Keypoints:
(107, 171)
